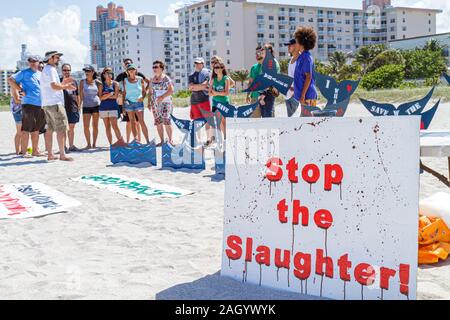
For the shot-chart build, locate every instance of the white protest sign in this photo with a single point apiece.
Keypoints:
(323, 206)
(22, 201)
(133, 188)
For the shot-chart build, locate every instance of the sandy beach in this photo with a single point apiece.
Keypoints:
(114, 247)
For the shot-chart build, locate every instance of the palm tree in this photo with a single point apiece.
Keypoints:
(240, 76)
(366, 54)
(337, 60)
(434, 45)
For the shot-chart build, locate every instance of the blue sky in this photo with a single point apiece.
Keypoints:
(41, 24)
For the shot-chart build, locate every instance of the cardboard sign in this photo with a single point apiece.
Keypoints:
(270, 77)
(332, 110)
(335, 92)
(133, 188)
(23, 201)
(323, 206)
(427, 117)
(406, 109)
(134, 153)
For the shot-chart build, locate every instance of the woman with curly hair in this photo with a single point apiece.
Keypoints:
(304, 85)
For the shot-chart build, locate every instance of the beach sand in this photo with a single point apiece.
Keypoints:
(114, 247)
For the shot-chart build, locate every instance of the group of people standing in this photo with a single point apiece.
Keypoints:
(44, 103)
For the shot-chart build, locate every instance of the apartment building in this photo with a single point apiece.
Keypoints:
(4, 86)
(106, 19)
(232, 29)
(144, 43)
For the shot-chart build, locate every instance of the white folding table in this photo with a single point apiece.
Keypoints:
(436, 144)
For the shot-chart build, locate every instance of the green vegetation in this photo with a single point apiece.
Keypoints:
(382, 68)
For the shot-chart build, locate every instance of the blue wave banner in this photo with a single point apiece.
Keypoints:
(182, 156)
(134, 153)
(428, 116)
(229, 111)
(332, 110)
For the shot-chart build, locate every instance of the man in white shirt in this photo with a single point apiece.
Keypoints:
(294, 50)
(53, 104)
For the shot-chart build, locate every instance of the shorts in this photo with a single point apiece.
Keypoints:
(109, 114)
(91, 110)
(56, 118)
(17, 116)
(134, 106)
(73, 117)
(162, 113)
(195, 110)
(33, 118)
(291, 106)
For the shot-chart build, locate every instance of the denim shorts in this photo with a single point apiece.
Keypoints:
(134, 106)
(17, 116)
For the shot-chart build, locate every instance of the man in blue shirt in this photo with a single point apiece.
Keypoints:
(33, 117)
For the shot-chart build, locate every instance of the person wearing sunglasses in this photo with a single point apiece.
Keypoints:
(33, 116)
(120, 78)
(161, 104)
(109, 109)
(134, 92)
(90, 103)
(219, 88)
(72, 106)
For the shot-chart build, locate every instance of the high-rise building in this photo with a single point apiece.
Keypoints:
(106, 19)
(4, 86)
(144, 43)
(23, 62)
(232, 29)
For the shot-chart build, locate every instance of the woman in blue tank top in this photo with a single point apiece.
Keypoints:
(109, 109)
(134, 92)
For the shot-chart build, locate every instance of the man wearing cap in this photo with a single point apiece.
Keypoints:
(199, 86)
(28, 81)
(294, 50)
(53, 104)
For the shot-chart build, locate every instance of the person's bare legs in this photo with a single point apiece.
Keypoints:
(35, 144)
(117, 132)
(140, 115)
(160, 129)
(71, 134)
(61, 138)
(25, 137)
(95, 121)
(128, 131)
(138, 130)
(132, 116)
(87, 131)
(18, 139)
(169, 132)
(108, 130)
(49, 144)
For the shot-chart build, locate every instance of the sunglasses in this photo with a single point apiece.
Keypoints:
(66, 70)
(218, 68)
(156, 67)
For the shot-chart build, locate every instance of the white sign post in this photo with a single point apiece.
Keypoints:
(323, 206)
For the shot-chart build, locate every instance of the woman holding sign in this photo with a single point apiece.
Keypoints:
(304, 88)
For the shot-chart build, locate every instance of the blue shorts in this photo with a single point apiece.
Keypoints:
(17, 116)
(134, 106)
(73, 117)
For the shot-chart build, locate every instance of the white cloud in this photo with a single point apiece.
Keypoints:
(171, 20)
(57, 30)
(443, 19)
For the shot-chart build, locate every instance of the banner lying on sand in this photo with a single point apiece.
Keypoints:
(133, 188)
(332, 216)
(23, 201)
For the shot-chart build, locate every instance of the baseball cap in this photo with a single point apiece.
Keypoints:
(89, 68)
(50, 54)
(199, 60)
(131, 67)
(34, 58)
(291, 42)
